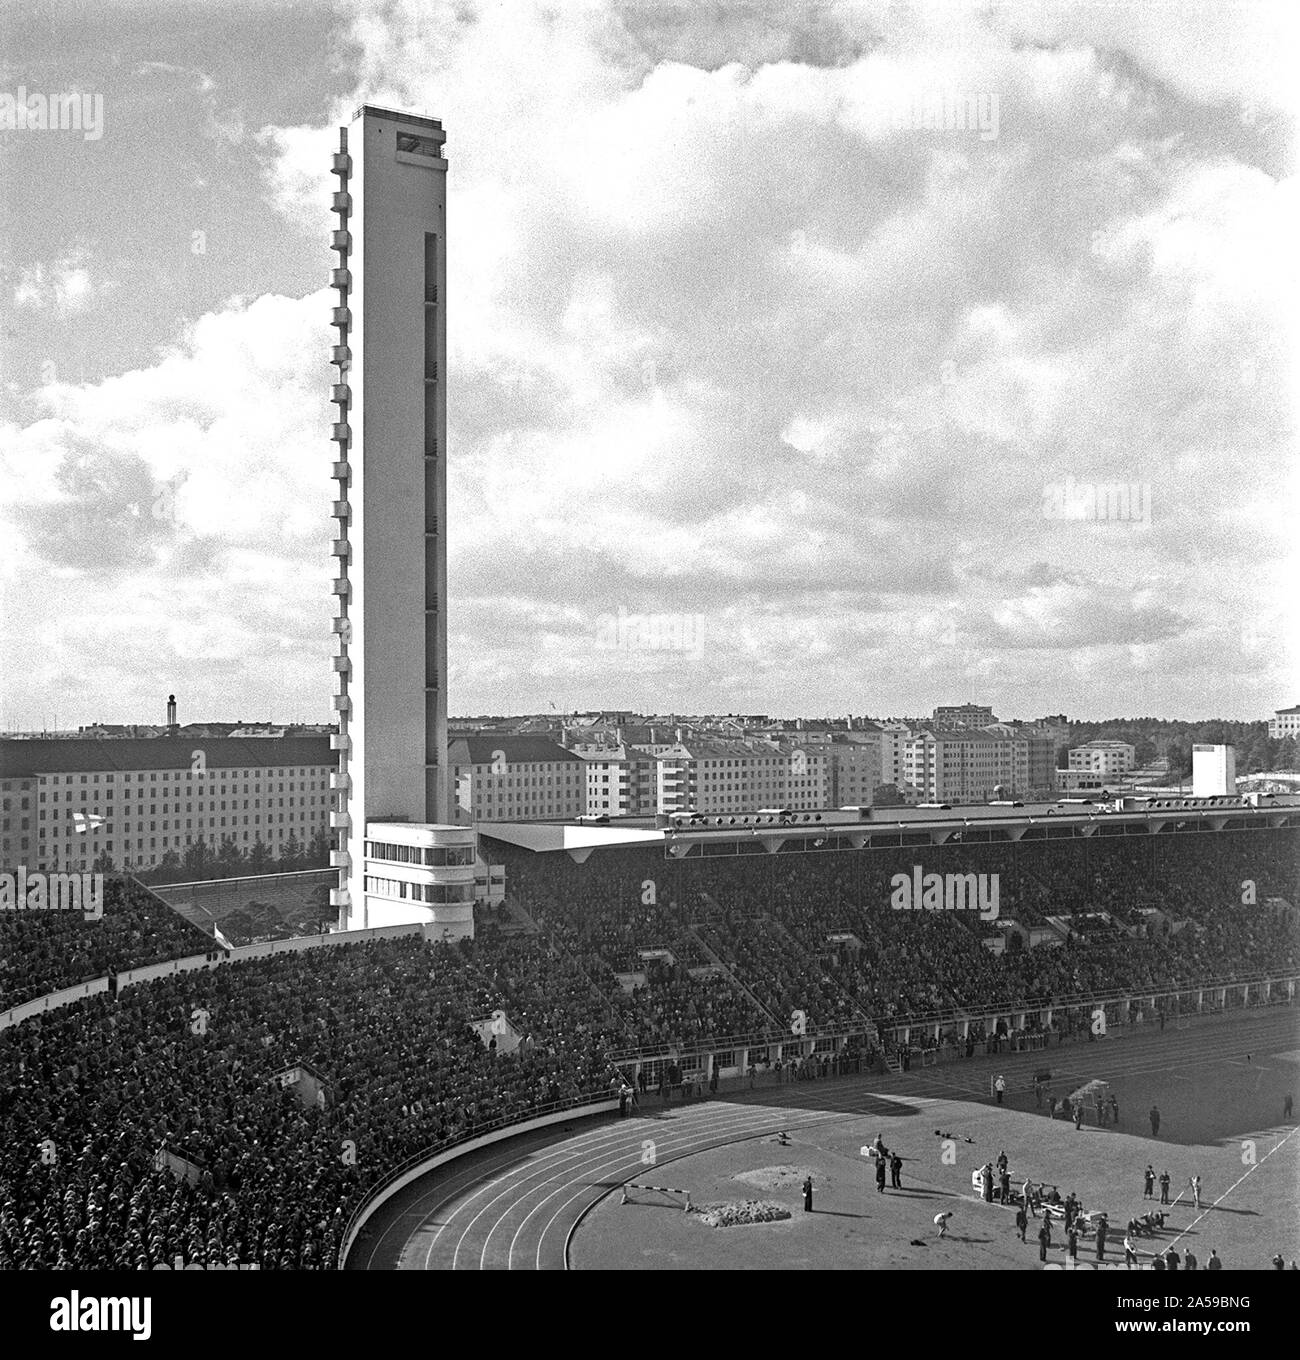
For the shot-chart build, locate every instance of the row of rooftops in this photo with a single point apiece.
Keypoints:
(28, 757)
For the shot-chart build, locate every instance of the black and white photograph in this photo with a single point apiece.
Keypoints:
(647, 635)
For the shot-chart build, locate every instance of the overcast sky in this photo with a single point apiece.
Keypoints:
(766, 393)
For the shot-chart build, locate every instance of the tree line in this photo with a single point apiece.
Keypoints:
(202, 860)
(1155, 739)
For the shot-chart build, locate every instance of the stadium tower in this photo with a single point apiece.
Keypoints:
(397, 859)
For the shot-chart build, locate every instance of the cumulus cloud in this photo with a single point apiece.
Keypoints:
(741, 334)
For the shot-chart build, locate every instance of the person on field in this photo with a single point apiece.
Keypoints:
(1164, 1187)
(1149, 1182)
(1214, 1263)
(1000, 1086)
(1195, 1183)
(1044, 1241)
(807, 1194)
(880, 1175)
(1154, 1117)
(895, 1171)
(1022, 1222)
(941, 1222)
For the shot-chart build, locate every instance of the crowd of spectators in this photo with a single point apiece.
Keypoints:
(632, 952)
(91, 1092)
(1128, 911)
(46, 951)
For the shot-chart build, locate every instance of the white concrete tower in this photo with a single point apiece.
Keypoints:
(390, 661)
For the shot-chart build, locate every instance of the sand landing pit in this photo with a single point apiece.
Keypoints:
(781, 1177)
(743, 1211)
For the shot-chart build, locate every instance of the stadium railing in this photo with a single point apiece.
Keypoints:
(890, 1027)
(481, 1135)
(1075, 1001)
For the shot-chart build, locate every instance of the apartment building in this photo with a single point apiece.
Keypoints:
(621, 781)
(742, 776)
(496, 777)
(964, 765)
(953, 716)
(68, 804)
(856, 766)
(1105, 757)
(1284, 723)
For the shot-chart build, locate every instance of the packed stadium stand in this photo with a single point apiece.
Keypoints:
(627, 953)
(45, 951)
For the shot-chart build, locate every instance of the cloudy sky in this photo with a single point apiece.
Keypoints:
(799, 352)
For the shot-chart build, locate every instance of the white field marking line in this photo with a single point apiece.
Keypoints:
(1254, 1166)
(627, 1148)
(449, 1187)
(545, 1166)
(452, 1184)
(531, 1159)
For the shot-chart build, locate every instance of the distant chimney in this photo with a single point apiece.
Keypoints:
(171, 711)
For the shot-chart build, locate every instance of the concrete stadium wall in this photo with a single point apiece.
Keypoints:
(216, 959)
(15, 1015)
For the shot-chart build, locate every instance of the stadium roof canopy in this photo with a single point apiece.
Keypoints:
(543, 836)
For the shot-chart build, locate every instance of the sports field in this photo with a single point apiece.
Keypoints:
(1219, 1088)
(553, 1200)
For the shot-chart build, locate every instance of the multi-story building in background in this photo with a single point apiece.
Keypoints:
(742, 776)
(71, 804)
(856, 768)
(963, 715)
(621, 782)
(1040, 754)
(497, 777)
(1284, 723)
(964, 765)
(1214, 770)
(1105, 757)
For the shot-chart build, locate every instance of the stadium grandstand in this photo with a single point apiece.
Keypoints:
(151, 1116)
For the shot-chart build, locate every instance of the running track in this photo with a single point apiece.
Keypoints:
(515, 1205)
